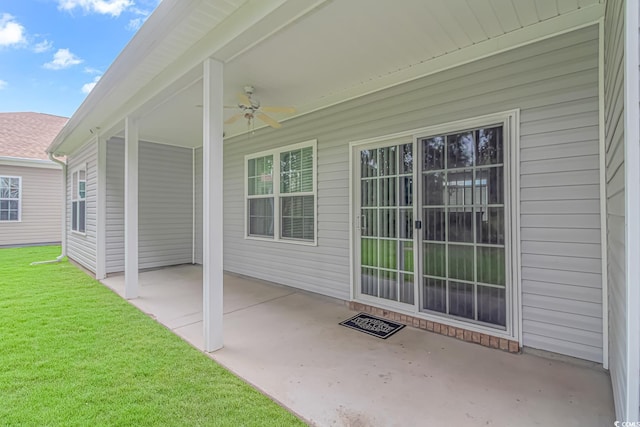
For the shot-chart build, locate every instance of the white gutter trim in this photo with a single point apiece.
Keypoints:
(29, 163)
(63, 236)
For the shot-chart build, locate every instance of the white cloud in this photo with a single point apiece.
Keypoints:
(63, 58)
(11, 31)
(43, 46)
(88, 87)
(135, 24)
(91, 70)
(103, 7)
(3, 84)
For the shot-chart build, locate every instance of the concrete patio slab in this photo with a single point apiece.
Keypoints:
(289, 345)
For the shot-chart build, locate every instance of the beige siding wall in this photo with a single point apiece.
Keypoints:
(41, 207)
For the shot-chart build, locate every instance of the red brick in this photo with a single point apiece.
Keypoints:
(430, 325)
(475, 337)
(416, 322)
(504, 344)
(452, 331)
(467, 335)
(484, 340)
(444, 329)
(494, 342)
(436, 327)
(423, 324)
(514, 347)
(460, 334)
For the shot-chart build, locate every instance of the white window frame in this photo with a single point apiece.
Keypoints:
(511, 120)
(277, 195)
(19, 178)
(75, 198)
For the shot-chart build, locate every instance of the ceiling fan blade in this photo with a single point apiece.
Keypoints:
(244, 99)
(268, 120)
(233, 118)
(272, 109)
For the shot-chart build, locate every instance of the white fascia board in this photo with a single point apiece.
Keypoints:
(29, 163)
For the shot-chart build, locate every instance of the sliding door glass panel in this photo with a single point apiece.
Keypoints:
(463, 211)
(386, 221)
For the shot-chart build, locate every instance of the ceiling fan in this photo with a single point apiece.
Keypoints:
(250, 109)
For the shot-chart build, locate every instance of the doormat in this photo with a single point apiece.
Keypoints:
(381, 328)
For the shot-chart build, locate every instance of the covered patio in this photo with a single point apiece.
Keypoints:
(288, 343)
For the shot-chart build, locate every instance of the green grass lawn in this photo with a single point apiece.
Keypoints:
(74, 353)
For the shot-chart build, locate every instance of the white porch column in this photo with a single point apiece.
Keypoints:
(130, 208)
(212, 223)
(101, 217)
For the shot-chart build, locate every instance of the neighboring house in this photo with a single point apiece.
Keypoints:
(454, 162)
(30, 183)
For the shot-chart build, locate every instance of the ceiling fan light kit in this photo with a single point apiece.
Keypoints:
(250, 109)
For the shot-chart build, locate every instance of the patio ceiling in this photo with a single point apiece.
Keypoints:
(308, 54)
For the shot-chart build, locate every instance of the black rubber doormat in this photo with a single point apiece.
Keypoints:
(381, 328)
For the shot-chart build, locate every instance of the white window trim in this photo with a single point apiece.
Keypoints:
(75, 199)
(313, 143)
(19, 199)
(511, 119)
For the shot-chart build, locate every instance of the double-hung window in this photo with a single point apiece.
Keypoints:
(281, 194)
(10, 193)
(78, 200)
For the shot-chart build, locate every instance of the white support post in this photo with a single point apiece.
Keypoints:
(212, 221)
(131, 208)
(101, 220)
(632, 207)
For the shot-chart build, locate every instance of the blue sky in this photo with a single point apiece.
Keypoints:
(53, 51)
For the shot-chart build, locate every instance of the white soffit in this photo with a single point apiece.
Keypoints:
(307, 58)
(346, 49)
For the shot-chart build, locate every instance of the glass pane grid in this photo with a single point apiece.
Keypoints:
(386, 198)
(463, 187)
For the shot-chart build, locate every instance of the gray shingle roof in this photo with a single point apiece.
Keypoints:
(27, 135)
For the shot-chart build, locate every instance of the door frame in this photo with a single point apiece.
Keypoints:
(511, 119)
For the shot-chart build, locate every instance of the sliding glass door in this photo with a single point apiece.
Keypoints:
(433, 224)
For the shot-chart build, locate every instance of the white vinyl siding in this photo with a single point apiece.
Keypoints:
(41, 207)
(165, 205)
(82, 247)
(555, 84)
(115, 206)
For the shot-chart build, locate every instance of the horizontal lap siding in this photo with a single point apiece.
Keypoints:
(41, 207)
(82, 247)
(165, 205)
(115, 206)
(555, 84)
